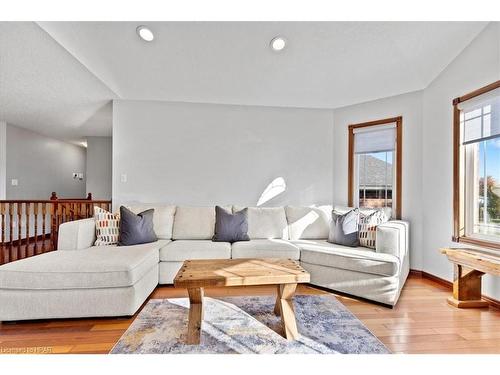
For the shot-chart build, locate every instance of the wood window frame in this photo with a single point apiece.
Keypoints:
(398, 157)
(459, 234)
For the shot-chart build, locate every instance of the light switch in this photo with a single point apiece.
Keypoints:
(123, 178)
(14, 182)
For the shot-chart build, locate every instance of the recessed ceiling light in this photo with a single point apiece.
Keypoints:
(145, 33)
(278, 43)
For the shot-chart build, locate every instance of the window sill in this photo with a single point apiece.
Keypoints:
(478, 242)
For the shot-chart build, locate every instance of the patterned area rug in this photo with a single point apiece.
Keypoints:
(248, 325)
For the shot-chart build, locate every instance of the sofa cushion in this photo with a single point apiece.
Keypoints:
(95, 267)
(266, 222)
(272, 248)
(181, 250)
(308, 223)
(163, 218)
(194, 223)
(358, 259)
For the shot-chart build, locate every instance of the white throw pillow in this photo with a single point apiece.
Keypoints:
(266, 222)
(308, 223)
(107, 227)
(163, 218)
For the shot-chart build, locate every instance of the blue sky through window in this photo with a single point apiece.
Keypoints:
(490, 149)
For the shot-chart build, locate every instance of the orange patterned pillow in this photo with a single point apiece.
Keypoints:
(107, 227)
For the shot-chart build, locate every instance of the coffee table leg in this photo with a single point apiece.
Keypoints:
(277, 305)
(195, 315)
(284, 307)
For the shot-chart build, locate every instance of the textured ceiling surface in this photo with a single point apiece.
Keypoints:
(59, 77)
(44, 88)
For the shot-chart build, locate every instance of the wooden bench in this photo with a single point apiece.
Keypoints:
(469, 266)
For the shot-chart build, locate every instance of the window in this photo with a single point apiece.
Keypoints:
(477, 167)
(375, 164)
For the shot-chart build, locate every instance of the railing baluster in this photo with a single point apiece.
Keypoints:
(44, 228)
(27, 210)
(77, 211)
(3, 255)
(35, 226)
(2, 212)
(11, 227)
(68, 212)
(19, 209)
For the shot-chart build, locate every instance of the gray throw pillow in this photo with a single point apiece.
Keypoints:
(136, 229)
(231, 227)
(344, 228)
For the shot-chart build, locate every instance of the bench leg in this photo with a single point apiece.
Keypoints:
(195, 315)
(466, 288)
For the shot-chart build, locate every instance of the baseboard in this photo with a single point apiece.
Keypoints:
(448, 284)
(415, 273)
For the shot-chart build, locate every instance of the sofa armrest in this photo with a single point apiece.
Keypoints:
(392, 238)
(76, 235)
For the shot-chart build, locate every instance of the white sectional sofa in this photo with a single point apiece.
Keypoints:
(81, 280)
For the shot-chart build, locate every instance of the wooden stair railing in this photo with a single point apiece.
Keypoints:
(30, 227)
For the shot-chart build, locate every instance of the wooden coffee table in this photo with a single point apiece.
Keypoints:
(198, 274)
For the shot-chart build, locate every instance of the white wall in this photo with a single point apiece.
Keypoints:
(3, 158)
(477, 66)
(410, 107)
(202, 154)
(99, 167)
(42, 165)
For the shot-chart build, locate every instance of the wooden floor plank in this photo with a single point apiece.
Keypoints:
(422, 322)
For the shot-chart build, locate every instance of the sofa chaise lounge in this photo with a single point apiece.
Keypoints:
(82, 280)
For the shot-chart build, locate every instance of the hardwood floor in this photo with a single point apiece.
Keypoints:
(422, 322)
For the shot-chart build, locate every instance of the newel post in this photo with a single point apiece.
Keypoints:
(53, 218)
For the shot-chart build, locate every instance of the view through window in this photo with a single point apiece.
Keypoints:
(375, 176)
(481, 138)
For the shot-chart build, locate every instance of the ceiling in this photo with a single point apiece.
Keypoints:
(59, 77)
(44, 88)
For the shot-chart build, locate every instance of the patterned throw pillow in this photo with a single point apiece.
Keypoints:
(107, 227)
(368, 227)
